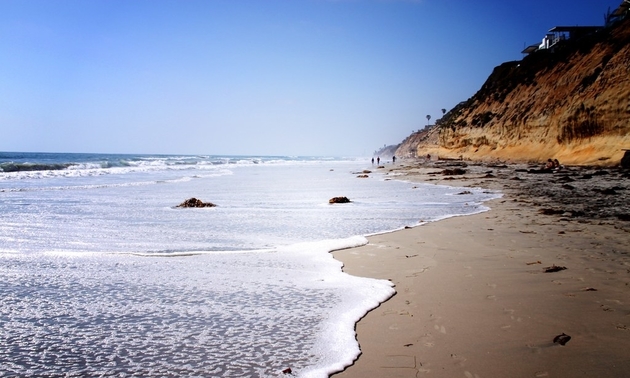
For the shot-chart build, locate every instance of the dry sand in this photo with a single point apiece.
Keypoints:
(473, 299)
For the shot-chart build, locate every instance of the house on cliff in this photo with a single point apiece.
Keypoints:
(619, 13)
(559, 34)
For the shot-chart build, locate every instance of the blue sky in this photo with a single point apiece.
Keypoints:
(262, 77)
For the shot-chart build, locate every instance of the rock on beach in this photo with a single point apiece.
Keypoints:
(339, 200)
(194, 202)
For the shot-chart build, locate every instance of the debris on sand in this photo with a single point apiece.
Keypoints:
(561, 339)
(553, 268)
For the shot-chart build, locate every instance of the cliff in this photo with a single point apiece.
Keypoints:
(386, 152)
(571, 103)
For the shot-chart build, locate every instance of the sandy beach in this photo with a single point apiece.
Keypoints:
(486, 295)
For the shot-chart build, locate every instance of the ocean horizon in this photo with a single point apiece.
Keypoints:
(105, 276)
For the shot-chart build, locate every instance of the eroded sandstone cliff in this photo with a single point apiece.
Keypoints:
(572, 103)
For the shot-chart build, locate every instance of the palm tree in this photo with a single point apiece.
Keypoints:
(428, 119)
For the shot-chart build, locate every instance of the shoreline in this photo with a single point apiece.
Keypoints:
(472, 295)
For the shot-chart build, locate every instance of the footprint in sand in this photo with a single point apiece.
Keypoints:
(509, 311)
(459, 360)
(491, 297)
(427, 340)
(541, 374)
(535, 349)
(470, 375)
(494, 286)
(441, 329)
(418, 273)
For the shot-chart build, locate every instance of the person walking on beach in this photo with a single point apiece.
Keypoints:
(394, 159)
(372, 161)
(378, 160)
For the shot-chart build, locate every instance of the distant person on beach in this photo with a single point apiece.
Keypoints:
(548, 166)
(394, 159)
(372, 161)
(428, 156)
(378, 160)
(556, 164)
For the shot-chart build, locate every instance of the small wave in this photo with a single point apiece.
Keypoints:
(28, 167)
(19, 166)
(169, 253)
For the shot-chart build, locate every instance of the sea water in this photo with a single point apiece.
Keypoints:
(102, 275)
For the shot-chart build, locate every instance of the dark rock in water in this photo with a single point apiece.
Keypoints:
(561, 339)
(194, 202)
(363, 176)
(339, 200)
(464, 192)
(567, 186)
(625, 160)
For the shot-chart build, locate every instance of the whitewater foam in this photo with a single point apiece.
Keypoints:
(103, 275)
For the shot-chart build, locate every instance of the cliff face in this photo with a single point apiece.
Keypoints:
(572, 104)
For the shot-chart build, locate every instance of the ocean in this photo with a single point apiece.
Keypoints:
(102, 275)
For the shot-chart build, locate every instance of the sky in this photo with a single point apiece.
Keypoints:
(259, 77)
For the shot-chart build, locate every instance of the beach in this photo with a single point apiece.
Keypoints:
(487, 295)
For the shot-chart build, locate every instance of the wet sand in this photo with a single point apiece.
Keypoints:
(473, 298)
